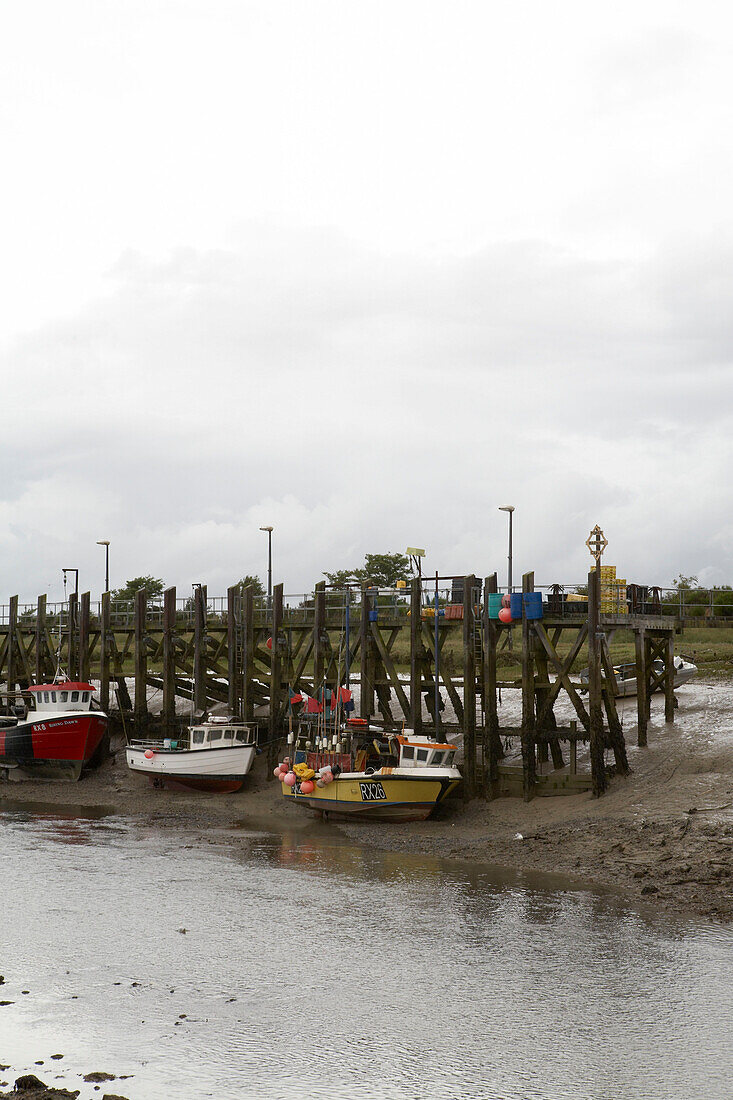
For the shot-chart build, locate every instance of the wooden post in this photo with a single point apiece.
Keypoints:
(141, 663)
(615, 729)
(528, 701)
(469, 688)
(543, 692)
(234, 655)
(105, 645)
(366, 706)
(39, 675)
(492, 735)
(595, 686)
(84, 623)
(248, 641)
(319, 629)
(642, 687)
(169, 660)
(12, 674)
(416, 656)
(200, 609)
(574, 748)
(669, 679)
(73, 649)
(275, 677)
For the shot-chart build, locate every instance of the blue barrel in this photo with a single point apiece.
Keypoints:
(515, 605)
(373, 615)
(495, 599)
(533, 605)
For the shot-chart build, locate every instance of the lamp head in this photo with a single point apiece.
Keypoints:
(506, 507)
(102, 542)
(267, 528)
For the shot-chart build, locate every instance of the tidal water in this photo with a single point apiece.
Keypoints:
(311, 966)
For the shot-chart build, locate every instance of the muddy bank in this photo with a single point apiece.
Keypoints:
(30, 1087)
(664, 833)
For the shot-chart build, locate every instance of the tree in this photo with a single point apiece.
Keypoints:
(257, 585)
(683, 583)
(382, 570)
(153, 589)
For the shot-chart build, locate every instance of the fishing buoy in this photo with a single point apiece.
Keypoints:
(307, 786)
(277, 772)
(327, 777)
(505, 615)
(289, 779)
(320, 783)
(506, 600)
(149, 754)
(269, 643)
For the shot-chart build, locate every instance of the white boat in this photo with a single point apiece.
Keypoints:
(214, 755)
(684, 670)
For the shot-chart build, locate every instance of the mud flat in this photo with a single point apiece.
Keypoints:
(663, 834)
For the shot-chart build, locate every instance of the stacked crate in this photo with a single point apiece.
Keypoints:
(613, 592)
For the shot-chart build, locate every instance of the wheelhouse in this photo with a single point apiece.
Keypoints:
(69, 695)
(425, 754)
(215, 735)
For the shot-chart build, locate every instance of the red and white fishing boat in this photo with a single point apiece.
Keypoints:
(50, 731)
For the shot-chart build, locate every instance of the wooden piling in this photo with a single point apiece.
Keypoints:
(669, 679)
(72, 652)
(319, 630)
(12, 665)
(595, 686)
(234, 650)
(169, 660)
(642, 686)
(84, 625)
(366, 707)
(492, 736)
(276, 693)
(40, 641)
(416, 656)
(469, 687)
(104, 651)
(200, 615)
(529, 768)
(248, 642)
(141, 663)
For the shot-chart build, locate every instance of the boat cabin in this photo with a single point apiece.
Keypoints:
(69, 695)
(220, 733)
(419, 753)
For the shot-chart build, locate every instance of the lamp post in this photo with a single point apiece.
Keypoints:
(509, 508)
(269, 563)
(105, 544)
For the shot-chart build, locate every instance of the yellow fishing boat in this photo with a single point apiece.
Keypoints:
(371, 775)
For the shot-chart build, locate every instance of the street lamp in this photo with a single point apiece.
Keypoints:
(509, 508)
(269, 563)
(105, 544)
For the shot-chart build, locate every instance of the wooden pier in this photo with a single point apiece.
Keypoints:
(252, 658)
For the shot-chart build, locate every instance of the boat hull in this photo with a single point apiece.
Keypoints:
(53, 747)
(378, 797)
(222, 769)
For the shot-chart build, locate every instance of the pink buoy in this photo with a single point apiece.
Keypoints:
(149, 754)
(327, 777)
(307, 786)
(506, 600)
(320, 783)
(278, 771)
(289, 779)
(505, 615)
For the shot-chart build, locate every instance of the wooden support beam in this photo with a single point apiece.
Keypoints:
(84, 623)
(391, 672)
(528, 703)
(562, 668)
(11, 674)
(234, 655)
(169, 659)
(141, 663)
(641, 687)
(417, 656)
(610, 690)
(319, 632)
(276, 692)
(574, 750)
(595, 687)
(104, 652)
(669, 678)
(469, 687)
(200, 615)
(248, 642)
(366, 706)
(492, 737)
(72, 652)
(542, 691)
(40, 666)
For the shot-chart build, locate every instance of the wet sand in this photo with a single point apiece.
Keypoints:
(663, 834)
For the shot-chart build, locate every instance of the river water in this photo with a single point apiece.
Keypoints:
(310, 966)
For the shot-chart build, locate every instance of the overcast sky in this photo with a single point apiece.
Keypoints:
(364, 272)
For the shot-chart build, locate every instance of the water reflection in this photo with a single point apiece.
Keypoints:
(245, 964)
